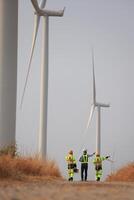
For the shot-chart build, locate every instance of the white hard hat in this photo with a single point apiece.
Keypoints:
(85, 150)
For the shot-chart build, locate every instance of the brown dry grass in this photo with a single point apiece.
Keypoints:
(124, 174)
(20, 167)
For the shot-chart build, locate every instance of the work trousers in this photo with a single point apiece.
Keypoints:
(70, 173)
(84, 170)
(98, 174)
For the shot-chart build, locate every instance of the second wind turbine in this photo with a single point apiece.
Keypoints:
(98, 106)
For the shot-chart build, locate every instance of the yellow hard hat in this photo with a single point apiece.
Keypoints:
(71, 152)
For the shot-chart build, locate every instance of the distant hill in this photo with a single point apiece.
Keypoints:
(125, 173)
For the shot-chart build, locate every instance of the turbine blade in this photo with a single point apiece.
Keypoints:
(94, 85)
(42, 4)
(90, 116)
(36, 5)
(36, 27)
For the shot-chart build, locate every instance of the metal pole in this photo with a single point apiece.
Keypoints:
(8, 70)
(44, 91)
(98, 131)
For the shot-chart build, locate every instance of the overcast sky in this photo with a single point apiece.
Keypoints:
(108, 26)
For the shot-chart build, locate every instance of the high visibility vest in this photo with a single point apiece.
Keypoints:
(84, 159)
(98, 160)
(70, 159)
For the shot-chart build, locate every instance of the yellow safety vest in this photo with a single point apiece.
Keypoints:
(70, 159)
(98, 160)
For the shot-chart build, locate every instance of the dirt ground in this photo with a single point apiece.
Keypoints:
(64, 190)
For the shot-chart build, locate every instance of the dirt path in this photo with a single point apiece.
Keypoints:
(63, 190)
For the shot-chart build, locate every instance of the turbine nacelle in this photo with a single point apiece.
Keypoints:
(49, 13)
(102, 105)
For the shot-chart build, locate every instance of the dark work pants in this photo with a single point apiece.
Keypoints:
(84, 169)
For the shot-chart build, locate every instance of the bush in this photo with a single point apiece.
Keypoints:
(9, 150)
(124, 174)
(18, 167)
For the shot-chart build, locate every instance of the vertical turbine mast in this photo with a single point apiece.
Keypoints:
(42, 145)
(40, 11)
(98, 106)
(8, 70)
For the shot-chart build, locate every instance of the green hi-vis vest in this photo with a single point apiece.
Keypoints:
(84, 158)
(98, 160)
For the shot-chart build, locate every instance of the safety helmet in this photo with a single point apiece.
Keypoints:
(84, 151)
(71, 152)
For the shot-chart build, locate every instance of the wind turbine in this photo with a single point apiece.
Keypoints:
(98, 106)
(40, 11)
(8, 70)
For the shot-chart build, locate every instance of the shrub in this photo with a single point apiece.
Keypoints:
(124, 174)
(9, 150)
(17, 167)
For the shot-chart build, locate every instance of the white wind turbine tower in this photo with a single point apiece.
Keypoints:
(96, 105)
(40, 11)
(8, 70)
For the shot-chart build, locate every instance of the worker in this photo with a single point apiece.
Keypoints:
(98, 165)
(71, 165)
(84, 164)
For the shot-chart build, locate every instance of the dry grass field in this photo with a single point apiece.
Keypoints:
(20, 168)
(126, 173)
(32, 179)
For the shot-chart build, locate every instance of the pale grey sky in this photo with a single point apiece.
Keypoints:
(108, 26)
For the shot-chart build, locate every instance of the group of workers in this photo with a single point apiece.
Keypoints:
(72, 165)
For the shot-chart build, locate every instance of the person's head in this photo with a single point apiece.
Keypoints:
(97, 155)
(84, 151)
(71, 152)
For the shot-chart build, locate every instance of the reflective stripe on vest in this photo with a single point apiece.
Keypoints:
(98, 160)
(70, 159)
(84, 158)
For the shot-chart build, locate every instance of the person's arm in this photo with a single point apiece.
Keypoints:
(90, 155)
(104, 158)
(94, 161)
(80, 160)
(74, 160)
(66, 158)
(107, 157)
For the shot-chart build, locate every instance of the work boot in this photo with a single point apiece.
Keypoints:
(98, 179)
(71, 179)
